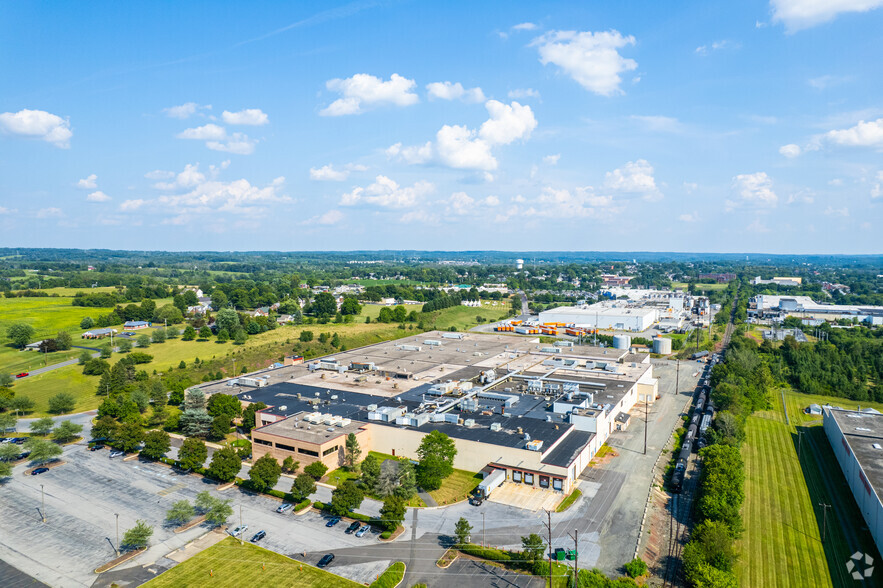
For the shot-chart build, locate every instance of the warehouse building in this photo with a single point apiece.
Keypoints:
(766, 306)
(602, 315)
(507, 402)
(857, 440)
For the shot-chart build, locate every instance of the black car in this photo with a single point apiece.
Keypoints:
(332, 522)
(96, 447)
(258, 536)
(39, 471)
(354, 526)
(326, 559)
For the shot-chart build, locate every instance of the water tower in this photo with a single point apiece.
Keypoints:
(519, 264)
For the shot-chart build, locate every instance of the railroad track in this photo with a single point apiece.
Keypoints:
(680, 506)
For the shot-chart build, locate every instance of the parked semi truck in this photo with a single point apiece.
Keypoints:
(486, 486)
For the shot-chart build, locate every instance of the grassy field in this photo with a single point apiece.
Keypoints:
(230, 564)
(456, 486)
(258, 352)
(568, 502)
(781, 545)
(391, 578)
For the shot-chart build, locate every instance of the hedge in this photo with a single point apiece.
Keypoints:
(351, 515)
(302, 505)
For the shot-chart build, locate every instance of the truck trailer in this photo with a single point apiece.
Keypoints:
(486, 486)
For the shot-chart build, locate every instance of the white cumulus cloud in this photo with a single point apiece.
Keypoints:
(635, 177)
(88, 183)
(803, 14)
(249, 116)
(367, 90)
(449, 91)
(508, 122)
(552, 159)
(460, 148)
(413, 155)
(209, 132)
(877, 189)
(98, 196)
(386, 193)
(592, 59)
(185, 110)
(523, 93)
(790, 151)
(756, 188)
(237, 143)
(689, 217)
(327, 173)
(863, 134)
(131, 205)
(37, 124)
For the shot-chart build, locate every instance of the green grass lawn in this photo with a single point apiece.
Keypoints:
(230, 564)
(391, 577)
(456, 487)
(781, 545)
(568, 502)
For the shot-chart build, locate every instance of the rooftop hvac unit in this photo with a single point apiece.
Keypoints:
(526, 435)
(535, 445)
(469, 423)
(496, 426)
(371, 407)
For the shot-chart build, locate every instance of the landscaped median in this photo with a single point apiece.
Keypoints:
(569, 500)
(391, 578)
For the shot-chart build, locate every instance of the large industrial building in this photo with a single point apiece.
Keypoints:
(539, 412)
(621, 317)
(766, 306)
(857, 440)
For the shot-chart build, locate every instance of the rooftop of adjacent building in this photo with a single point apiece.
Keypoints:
(301, 430)
(864, 433)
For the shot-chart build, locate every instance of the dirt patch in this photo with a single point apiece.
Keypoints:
(121, 559)
(50, 465)
(448, 558)
(187, 526)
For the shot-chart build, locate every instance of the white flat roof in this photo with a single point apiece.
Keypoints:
(601, 310)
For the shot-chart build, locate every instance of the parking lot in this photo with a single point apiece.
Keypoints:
(83, 496)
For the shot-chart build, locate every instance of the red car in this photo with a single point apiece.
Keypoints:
(22, 375)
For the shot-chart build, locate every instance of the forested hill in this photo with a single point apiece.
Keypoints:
(849, 364)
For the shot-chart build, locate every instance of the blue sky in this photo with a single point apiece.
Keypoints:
(689, 126)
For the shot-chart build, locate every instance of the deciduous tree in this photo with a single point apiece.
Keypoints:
(264, 473)
(225, 465)
(156, 444)
(192, 453)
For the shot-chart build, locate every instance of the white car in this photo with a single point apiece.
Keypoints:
(237, 531)
(117, 453)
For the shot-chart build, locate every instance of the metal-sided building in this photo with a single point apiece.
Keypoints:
(857, 440)
(602, 316)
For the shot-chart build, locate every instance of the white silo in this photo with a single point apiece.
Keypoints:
(622, 341)
(662, 345)
(519, 264)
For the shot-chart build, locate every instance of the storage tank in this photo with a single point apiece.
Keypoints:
(622, 341)
(661, 345)
(519, 264)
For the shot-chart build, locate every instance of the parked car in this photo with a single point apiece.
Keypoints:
(239, 530)
(354, 526)
(23, 454)
(326, 559)
(258, 536)
(39, 471)
(22, 375)
(96, 447)
(5, 439)
(116, 453)
(363, 530)
(333, 521)
(284, 508)
(18, 440)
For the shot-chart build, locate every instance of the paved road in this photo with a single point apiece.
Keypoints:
(59, 365)
(80, 418)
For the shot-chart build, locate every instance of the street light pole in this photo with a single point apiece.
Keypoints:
(240, 524)
(42, 503)
(646, 420)
(117, 544)
(483, 544)
(824, 519)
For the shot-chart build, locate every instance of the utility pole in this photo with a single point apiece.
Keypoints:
(483, 544)
(576, 557)
(799, 443)
(241, 533)
(678, 377)
(646, 420)
(42, 503)
(549, 529)
(117, 544)
(824, 519)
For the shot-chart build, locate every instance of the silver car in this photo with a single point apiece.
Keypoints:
(284, 508)
(237, 531)
(363, 530)
(117, 453)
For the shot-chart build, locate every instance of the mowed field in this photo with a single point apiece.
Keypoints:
(258, 352)
(229, 564)
(781, 545)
